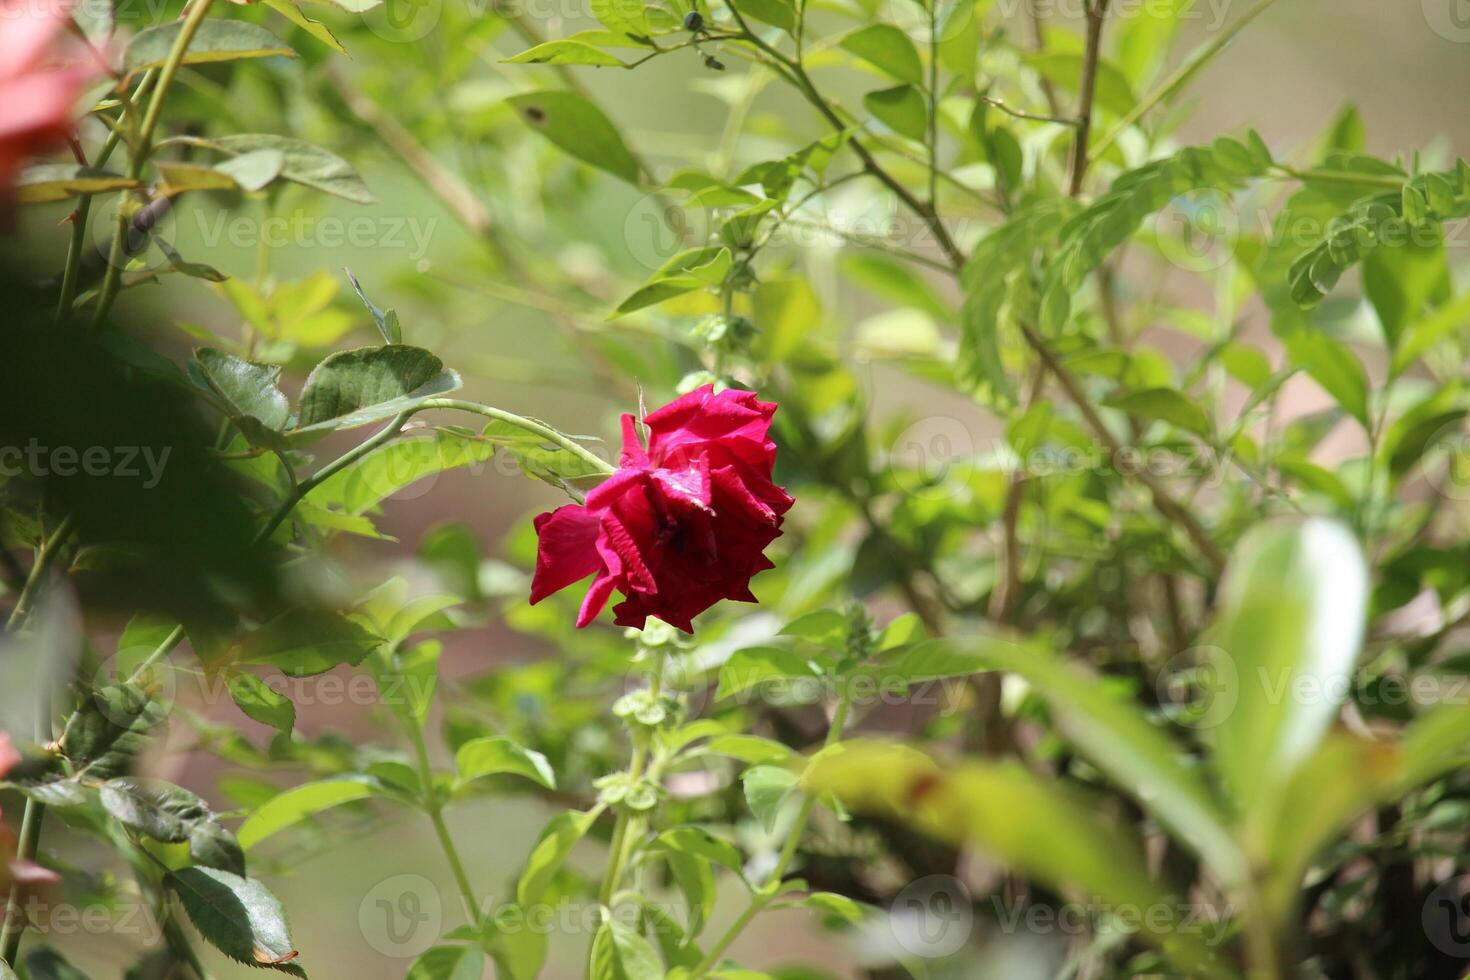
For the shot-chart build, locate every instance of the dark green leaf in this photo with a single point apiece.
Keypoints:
(238, 916)
(215, 40)
(358, 387)
(578, 127)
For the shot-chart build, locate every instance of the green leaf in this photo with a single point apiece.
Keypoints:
(887, 48)
(289, 10)
(902, 109)
(305, 164)
(1113, 734)
(109, 729)
(777, 13)
(48, 182)
(698, 842)
(153, 808)
(695, 268)
(767, 788)
(1032, 824)
(386, 320)
(620, 953)
(566, 52)
(757, 666)
(557, 840)
(212, 846)
(215, 40)
(821, 626)
(358, 387)
(1292, 608)
(750, 749)
(238, 916)
(449, 963)
(303, 642)
(895, 281)
(497, 754)
(296, 804)
(539, 459)
(386, 470)
(260, 703)
(622, 16)
(247, 389)
(1167, 405)
(578, 127)
(1404, 283)
(1332, 365)
(1064, 68)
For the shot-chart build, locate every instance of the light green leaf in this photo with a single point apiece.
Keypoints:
(496, 754)
(1291, 617)
(360, 487)
(318, 30)
(578, 127)
(767, 788)
(1332, 365)
(902, 109)
(1166, 405)
(449, 963)
(296, 804)
(566, 52)
(777, 13)
(620, 953)
(887, 48)
(557, 840)
(1030, 823)
(698, 842)
(756, 666)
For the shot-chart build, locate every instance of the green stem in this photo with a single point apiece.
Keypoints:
(35, 813)
(69, 276)
(45, 557)
(435, 810)
(521, 422)
(1385, 181)
(767, 893)
(629, 826)
(142, 150)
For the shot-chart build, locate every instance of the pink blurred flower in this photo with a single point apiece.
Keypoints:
(36, 93)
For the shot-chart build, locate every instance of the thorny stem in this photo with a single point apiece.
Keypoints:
(34, 813)
(112, 278)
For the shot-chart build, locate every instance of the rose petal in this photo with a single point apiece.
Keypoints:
(567, 551)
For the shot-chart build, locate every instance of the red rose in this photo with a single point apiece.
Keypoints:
(37, 98)
(680, 525)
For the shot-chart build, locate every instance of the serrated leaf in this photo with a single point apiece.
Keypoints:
(302, 642)
(358, 387)
(305, 164)
(238, 916)
(260, 703)
(153, 808)
(247, 389)
(214, 40)
(109, 729)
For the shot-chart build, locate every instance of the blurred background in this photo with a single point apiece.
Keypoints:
(1404, 65)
